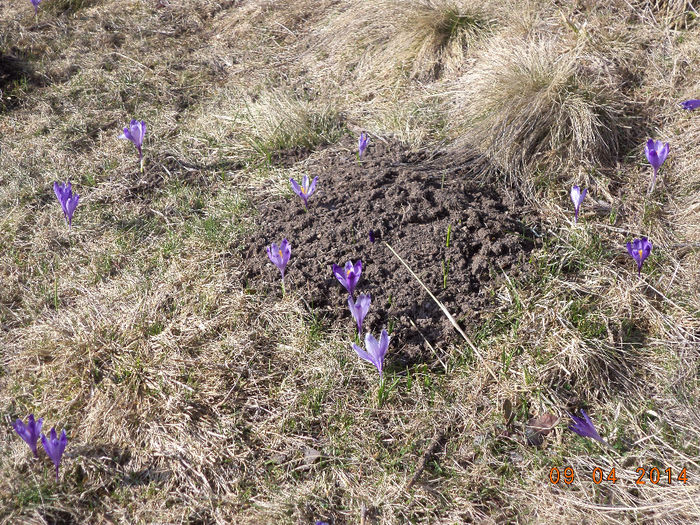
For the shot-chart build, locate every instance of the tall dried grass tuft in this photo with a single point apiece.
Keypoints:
(535, 109)
(421, 39)
(279, 122)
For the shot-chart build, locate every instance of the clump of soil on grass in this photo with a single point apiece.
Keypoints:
(408, 200)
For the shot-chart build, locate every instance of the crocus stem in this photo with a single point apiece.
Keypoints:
(141, 162)
(283, 290)
(56, 473)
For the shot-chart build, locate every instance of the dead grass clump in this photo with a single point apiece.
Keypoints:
(422, 38)
(537, 110)
(279, 123)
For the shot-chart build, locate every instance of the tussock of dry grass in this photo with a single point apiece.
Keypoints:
(536, 109)
(421, 39)
(278, 123)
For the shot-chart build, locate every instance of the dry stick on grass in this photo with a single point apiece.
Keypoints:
(451, 319)
(426, 456)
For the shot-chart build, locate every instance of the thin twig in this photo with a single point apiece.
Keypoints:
(449, 316)
(426, 457)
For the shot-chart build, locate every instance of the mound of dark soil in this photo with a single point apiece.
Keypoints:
(409, 201)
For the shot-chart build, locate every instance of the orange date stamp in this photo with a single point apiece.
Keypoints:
(598, 475)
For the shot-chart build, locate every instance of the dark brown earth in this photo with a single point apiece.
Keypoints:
(403, 198)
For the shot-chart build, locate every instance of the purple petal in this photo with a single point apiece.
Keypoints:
(575, 195)
(273, 254)
(286, 250)
(58, 190)
(372, 346)
(340, 275)
(653, 159)
(691, 104)
(646, 247)
(71, 205)
(143, 132)
(359, 309)
(22, 430)
(363, 355)
(649, 147)
(47, 446)
(62, 443)
(663, 153)
(296, 188)
(358, 267)
(383, 345)
(127, 135)
(312, 188)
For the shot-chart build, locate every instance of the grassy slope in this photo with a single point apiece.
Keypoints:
(190, 399)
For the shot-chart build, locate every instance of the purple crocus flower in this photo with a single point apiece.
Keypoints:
(29, 432)
(349, 276)
(362, 143)
(690, 105)
(656, 153)
(36, 3)
(577, 197)
(583, 426)
(376, 350)
(54, 447)
(306, 190)
(280, 255)
(67, 199)
(135, 132)
(359, 309)
(639, 249)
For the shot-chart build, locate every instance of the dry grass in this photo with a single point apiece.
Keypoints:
(279, 123)
(421, 39)
(189, 397)
(537, 109)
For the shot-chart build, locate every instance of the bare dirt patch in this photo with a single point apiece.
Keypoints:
(409, 200)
